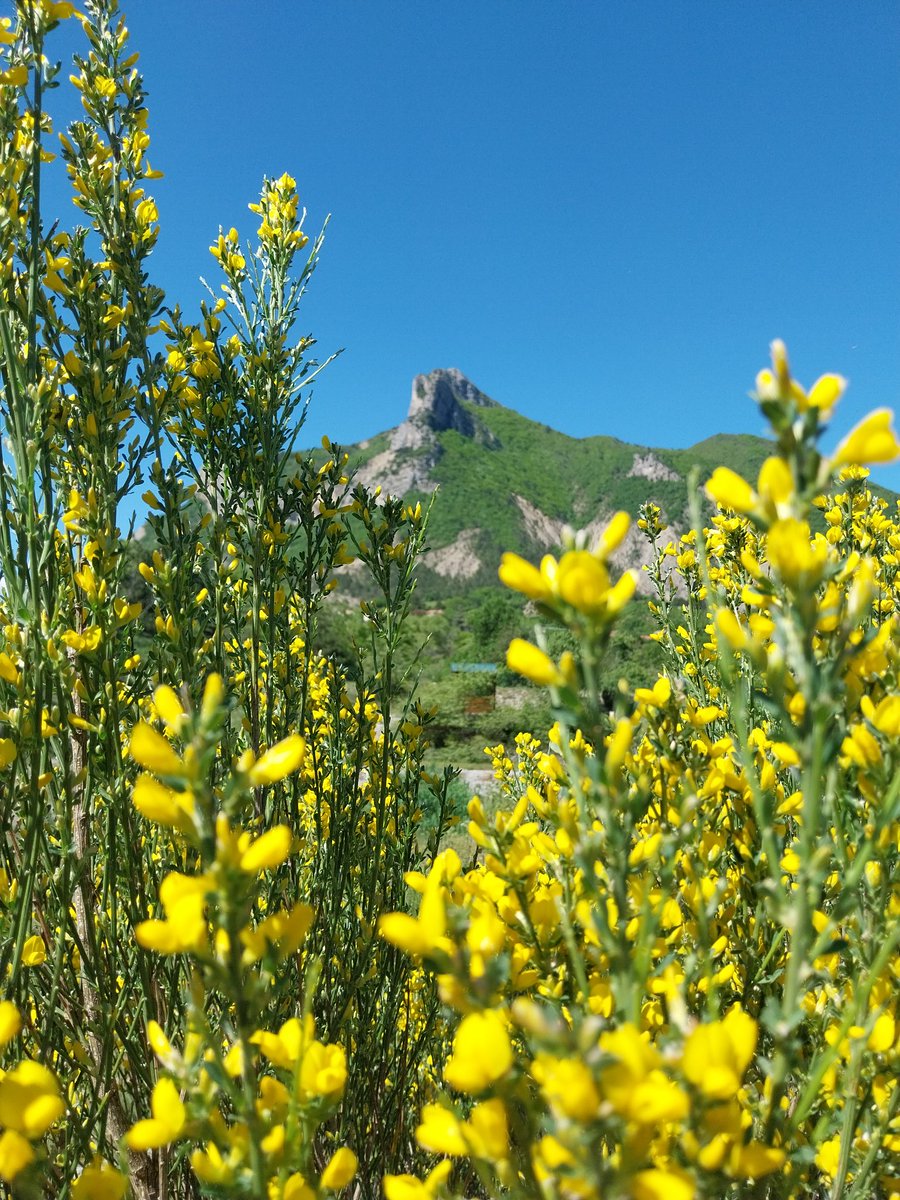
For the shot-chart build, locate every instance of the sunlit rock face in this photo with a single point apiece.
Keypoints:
(436, 405)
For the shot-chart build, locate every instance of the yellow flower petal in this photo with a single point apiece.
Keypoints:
(29, 1099)
(281, 760)
(717, 1054)
(156, 802)
(148, 1134)
(582, 580)
(34, 952)
(159, 1043)
(825, 393)
(522, 576)
(15, 1154)
(10, 1022)
(99, 1181)
(884, 1033)
(613, 535)
(659, 1184)
(213, 694)
(269, 850)
(324, 1070)
(151, 750)
(165, 1125)
(526, 659)
(169, 707)
(727, 489)
(482, 1053)
(405, 1187)
(797, 557)
(297, 1188)
(755, 1160)
(340, 1169)
(776, 482)
(440, 1132)
(873, 440)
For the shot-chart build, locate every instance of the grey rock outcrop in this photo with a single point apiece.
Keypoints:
(648, 466)
(436, 405)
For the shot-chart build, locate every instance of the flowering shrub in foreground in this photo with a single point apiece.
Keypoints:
(674, 967)
(201, 818)
(670, 970)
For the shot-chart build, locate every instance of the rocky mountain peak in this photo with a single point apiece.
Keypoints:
(532, 485)
(437, 405)
(437, 397)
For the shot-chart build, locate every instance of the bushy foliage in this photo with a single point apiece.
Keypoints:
(674, 970)
(669, 968)
(202, 816)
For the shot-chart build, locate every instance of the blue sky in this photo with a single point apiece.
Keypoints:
(602, 212)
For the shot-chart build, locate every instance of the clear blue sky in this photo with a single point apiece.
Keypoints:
(602, 212)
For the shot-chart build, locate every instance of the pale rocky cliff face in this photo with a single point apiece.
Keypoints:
(648, 466)
(435, 406)
(436, 398)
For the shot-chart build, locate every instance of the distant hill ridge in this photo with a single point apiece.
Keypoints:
(509, 483)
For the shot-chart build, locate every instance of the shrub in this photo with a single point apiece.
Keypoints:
(673, 973)
(199, 827)
(670, 970)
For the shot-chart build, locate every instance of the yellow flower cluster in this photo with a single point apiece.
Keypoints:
(246, 1121)
(675, 964)
(234, 956)
(30, 1102)
(278, 206)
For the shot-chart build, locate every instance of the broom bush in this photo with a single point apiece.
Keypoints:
(236, 961)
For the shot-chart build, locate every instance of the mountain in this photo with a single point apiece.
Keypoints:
(509, 483)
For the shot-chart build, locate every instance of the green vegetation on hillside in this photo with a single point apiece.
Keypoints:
(477, 628)
(569, 480)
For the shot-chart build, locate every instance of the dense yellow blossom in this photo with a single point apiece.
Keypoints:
(640, 989)
(237, 958)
